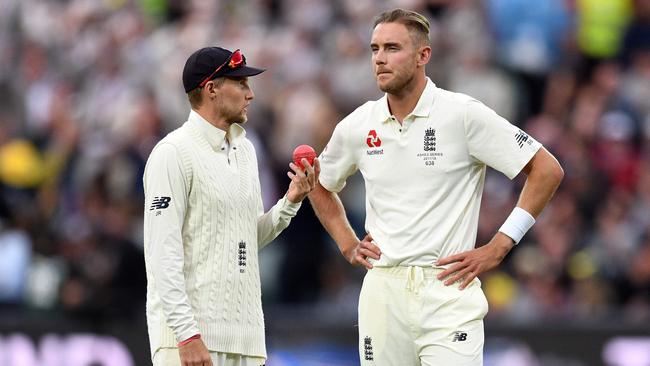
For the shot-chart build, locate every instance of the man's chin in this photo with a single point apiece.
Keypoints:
(240, 119)
(386, 87)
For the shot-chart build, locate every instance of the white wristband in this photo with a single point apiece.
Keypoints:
(517, 224)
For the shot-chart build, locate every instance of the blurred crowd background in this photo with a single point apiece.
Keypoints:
(89, 86)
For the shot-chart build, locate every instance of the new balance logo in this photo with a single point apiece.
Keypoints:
(367, 349)
(160, 203)
(373, 140)
(521, 137)
(459, 337)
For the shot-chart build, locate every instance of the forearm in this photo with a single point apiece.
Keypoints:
(331, 213)
(544, 177)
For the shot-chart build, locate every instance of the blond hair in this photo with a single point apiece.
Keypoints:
(416, 23)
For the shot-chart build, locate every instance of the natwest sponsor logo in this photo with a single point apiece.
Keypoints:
(373, 140)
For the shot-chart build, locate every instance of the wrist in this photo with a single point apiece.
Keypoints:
(348, 251)
(190, 339)
(502, 244)
(517, 224)
(292, 199)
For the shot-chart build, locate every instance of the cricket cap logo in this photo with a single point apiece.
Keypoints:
(373, 140)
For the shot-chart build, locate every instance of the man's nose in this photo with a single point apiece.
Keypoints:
(250, 95)
(380, 58)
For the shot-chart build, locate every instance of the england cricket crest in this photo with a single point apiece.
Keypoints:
(241, 256)
(430, 139)
(431, 149)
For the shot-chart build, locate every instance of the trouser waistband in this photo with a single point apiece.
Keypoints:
(414, 275)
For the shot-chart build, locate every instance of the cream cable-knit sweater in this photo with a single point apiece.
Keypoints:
(203, 227)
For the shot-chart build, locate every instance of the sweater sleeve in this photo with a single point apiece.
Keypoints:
(271, 224)
(166, 193)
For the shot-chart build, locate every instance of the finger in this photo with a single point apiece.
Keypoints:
(305, 167)
(308, 167)
(451, 259)
(312, 182)
(451, 270)
(370, 246)
(458, 276)
(317, 166)
(369, 253)
(296, 169)
(360, 259)
(471, 275)
(309, 171)
(368, 237)
(296, 180)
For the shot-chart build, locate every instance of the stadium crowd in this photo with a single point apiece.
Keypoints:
(89, 86)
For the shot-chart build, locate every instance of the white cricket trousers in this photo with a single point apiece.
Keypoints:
(407, 317)
(170, 357)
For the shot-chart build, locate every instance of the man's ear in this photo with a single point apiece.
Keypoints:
(424, 55)
(210, 89)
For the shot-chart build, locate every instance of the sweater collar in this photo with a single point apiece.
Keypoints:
(215, 136)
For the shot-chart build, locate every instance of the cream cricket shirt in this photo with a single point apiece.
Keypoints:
(203, 226)
(424, 179)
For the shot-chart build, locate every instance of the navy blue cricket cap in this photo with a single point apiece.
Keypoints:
(210, 63)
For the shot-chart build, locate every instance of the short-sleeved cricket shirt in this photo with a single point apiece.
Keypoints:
(424, 178)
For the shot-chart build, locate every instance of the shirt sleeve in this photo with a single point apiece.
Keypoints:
(337, 161)
(166, 192)
(495, 142)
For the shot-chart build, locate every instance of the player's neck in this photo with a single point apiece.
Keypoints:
(403, 103)
(213, 118)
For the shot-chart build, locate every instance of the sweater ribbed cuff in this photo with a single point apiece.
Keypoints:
(219, 337)
(288, 208)
(186, 333)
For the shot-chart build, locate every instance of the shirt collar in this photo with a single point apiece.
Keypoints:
(384, 111)
(214, 135)
(422, 108)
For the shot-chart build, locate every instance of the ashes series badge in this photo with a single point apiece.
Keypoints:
(430, 147)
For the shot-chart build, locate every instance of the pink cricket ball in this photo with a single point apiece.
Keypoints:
(304, 151)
